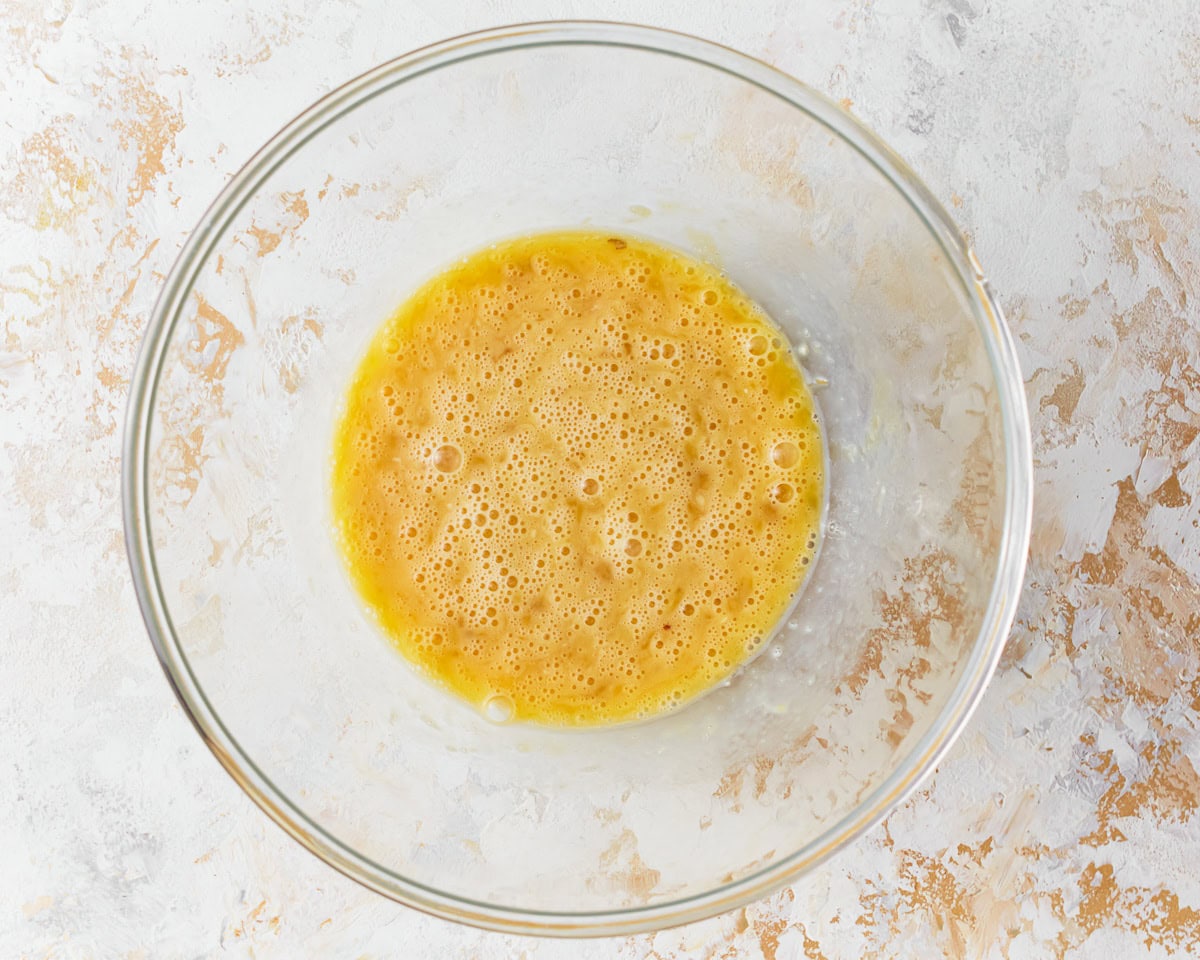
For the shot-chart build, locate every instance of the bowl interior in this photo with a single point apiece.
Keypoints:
(396, 781)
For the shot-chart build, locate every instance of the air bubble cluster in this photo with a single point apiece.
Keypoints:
(579, 477)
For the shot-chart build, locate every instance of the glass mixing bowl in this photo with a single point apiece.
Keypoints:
(262, 321)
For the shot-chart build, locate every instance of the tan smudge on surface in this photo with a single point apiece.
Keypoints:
(1065, 396)
(178, 464)
(730, 789)
(768, 931)
(214, 343)
(262, 535)
(762, 770)
(771, 922)
(183, 460)
(928, 886)
(1155, 606)
(293, 212)
(925, 596)
(297, 336)
(1155, 915)
(978, 490)
(624, 869)
(36, 906)
(810, 945)
(52, 183)
(256, 925)
(149, 123)
(607, 815)
(765, 149)
(1168, 788)
(262, 35)
(396, 197)
(1136, 226)
(116, 331)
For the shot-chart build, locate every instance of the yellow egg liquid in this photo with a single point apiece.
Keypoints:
(578, 479)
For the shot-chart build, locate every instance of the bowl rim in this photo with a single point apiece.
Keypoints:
(1010, 563)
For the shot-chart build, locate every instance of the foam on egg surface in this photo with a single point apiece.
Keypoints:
(578, 475)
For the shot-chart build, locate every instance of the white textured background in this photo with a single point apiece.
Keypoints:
(1065, 137)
